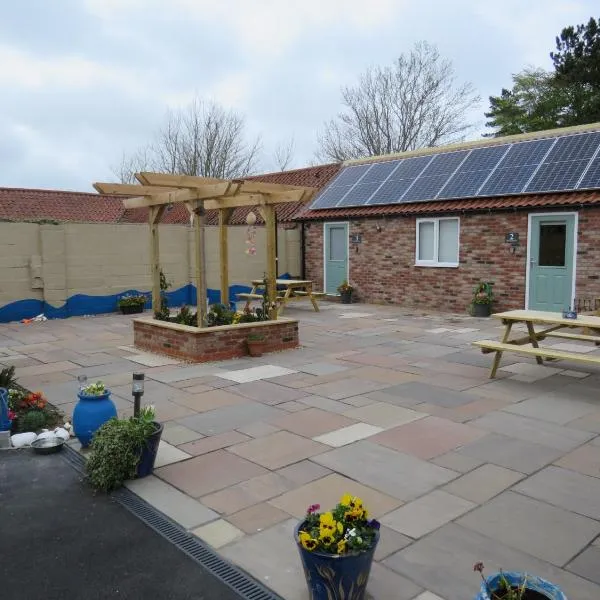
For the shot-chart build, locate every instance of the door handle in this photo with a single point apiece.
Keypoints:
(532, 262)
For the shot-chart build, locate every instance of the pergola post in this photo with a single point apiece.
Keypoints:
(224, 215)
(154, 215)
(268, 214)
(200, 266)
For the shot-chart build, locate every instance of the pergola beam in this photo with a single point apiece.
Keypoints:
(130, 189)
(210, 190)
(177, 181)
(224, 216)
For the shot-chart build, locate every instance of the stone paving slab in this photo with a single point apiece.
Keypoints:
(566, 489)
(521, 522)
(189, 513)
(586, 564)
(442, 562)
(399, 475)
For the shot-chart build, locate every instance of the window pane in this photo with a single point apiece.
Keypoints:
(448, 246)
(553, 242)
(337, 243)
(426, 241)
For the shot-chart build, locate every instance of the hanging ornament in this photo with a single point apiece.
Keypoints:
(251, 234)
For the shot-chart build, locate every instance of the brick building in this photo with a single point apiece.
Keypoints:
(540, 247)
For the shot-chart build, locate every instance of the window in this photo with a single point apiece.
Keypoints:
(437, 242)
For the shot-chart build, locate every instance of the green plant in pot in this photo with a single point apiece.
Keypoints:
(131, 303)
(345, 291)
(256, 344)
(123, 449)
(483, 297)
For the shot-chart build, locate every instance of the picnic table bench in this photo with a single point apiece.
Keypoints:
(553, 322)
(288, 290)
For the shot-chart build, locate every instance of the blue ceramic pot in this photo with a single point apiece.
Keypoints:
(515, 579)
(146, 464)
(90, 413)
(336, 577)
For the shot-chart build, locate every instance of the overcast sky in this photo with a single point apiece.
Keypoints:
(82, 81)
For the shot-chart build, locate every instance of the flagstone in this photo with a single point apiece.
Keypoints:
(218, 533)
(384, 415)
(312, 422)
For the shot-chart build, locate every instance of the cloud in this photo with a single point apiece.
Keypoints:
(81, 81)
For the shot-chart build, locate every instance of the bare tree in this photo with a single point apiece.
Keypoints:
(202, 139)
(284, 153)
(412, 104)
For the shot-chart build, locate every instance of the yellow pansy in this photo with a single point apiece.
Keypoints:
(326, 538)
(351, 501)
(307, 541)
(341, 546)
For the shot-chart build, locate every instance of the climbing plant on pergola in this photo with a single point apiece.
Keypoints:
(156, 191)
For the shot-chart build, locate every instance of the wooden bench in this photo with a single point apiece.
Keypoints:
(574, 336)
(246, 296)
(313, 294)
(548, 353)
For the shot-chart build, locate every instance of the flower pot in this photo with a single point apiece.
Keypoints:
(336, 576)
(146, 465)
(90, 413)
(536, 588)
(346, 297)
(256, 347)
(482, 310)
(132, 309)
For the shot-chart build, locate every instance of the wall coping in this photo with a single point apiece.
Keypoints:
(206, 330)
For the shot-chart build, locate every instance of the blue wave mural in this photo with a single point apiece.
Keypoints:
(82, 304)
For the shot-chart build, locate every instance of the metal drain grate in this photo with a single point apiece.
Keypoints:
(235, 578)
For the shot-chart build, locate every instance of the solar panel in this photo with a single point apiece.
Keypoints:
(510, 180)
(350, 175)
(559, 163)
(409, 168)
(527, 153)
(592, 178)
(379, 171)
(390, 192)
(359, 194)
(330, 197)
(425, 188)
(464, 184)
(553, 177)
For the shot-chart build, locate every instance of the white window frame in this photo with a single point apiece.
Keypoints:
(436, 242)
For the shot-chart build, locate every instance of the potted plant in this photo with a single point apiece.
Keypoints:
(345, 290)
(336, 549)
(93, 410)
(516, 586)
(131, 303)
(123, 449)
(483, 296)
(256, 344)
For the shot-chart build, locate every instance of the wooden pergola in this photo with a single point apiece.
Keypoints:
(156, 191)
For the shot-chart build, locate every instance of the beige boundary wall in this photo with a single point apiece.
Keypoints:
(53, 262)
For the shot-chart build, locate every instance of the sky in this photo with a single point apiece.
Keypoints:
(84, 81)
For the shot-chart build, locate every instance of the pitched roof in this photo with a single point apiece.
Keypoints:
(316, 177)
(18, 204)
(574, 199)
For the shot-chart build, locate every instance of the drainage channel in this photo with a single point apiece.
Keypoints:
(247, 587)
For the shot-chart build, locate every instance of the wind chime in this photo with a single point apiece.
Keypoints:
(251, 234)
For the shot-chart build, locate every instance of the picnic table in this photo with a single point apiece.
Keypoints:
(553, 323)
(287, 291)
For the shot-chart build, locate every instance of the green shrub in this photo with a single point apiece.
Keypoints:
(32, 420)
(7, 378)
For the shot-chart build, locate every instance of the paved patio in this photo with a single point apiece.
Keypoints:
(394, 407)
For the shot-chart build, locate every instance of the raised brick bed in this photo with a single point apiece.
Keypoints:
(211, 343)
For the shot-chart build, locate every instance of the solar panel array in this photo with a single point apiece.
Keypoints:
(558, 164)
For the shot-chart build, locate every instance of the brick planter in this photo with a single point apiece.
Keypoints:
(211, 343)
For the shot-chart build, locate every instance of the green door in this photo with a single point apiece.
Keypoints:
(336, 255)
(551, 258)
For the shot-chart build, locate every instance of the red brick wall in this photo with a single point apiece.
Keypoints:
(214, 343)
(382, 268)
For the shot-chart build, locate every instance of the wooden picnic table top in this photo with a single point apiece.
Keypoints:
(284, 281)
(551, 318)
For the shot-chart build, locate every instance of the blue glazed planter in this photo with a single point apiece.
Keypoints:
(336, 577)
(90, 413)
(515, 579)
(146, 465)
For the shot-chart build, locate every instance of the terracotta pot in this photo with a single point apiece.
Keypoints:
(256, 347)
